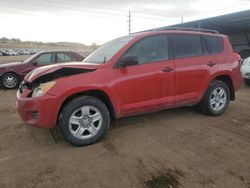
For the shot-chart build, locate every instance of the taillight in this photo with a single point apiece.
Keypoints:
(237, 58)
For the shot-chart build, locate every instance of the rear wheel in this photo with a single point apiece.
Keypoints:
(10, 81)
(247, 82)
(216, 99)
(84, 121)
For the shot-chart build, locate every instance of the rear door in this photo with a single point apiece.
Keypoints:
(193, 65)
(150, 84)
(215, 45)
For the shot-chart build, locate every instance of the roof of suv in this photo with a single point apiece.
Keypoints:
(180, 30)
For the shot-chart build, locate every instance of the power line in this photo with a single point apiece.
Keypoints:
(129, 22)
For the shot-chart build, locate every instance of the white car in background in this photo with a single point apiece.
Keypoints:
(245, 70)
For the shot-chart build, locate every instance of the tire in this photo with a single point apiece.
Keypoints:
(10, 81)
(84, 121)
(247, 82)
(216, 99)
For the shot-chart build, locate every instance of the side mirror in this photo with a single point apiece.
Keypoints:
(34, 63)
(128, 61)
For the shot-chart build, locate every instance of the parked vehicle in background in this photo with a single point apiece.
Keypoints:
(26, 52)
(245, 70)
(18, 51)
(1, 54)
(12, 52)
(5, 52)
(245, 53)
(8, 52)
(11, 74)
(139, 73)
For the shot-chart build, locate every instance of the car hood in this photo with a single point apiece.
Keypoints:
(14, 64)
(52, 72)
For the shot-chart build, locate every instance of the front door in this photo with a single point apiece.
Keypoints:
(150, 85)
(39, 61)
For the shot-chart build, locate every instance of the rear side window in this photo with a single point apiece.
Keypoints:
(215, 44)
(150, 49)
(62, 57)
(187, 46)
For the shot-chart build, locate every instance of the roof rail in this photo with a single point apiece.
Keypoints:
(184, 29)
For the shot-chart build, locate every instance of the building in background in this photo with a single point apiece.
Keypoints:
(235, 25)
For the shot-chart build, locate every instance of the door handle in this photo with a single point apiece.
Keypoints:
(211, 64)
(167, 69)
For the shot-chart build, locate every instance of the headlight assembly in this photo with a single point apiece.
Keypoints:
(42, 89)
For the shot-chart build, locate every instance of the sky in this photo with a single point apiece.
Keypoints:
(98, 21)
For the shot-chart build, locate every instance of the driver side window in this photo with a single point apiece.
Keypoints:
(45, 59)
(150, 49)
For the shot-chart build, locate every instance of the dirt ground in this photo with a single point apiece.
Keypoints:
(9, 59)
(172, 148)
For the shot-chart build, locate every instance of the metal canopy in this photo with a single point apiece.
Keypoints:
(227, 24)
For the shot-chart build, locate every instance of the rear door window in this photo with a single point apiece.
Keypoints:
(63, 57)
(187, 46)
(214, 43)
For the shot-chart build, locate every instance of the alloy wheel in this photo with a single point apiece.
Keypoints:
(218, 99)
(9, 81)
(85, 122)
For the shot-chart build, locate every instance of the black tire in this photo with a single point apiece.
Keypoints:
(247, 82)
(71, 107)
(206, 105)
(16, 81)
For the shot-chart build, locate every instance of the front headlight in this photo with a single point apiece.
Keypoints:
(42, 89)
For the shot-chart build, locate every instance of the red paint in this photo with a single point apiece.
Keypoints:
(134, 89)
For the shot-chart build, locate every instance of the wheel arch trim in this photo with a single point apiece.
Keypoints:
(100, 94)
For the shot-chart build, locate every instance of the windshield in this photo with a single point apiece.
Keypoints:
(108, 50)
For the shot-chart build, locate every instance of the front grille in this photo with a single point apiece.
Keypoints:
(35, 115)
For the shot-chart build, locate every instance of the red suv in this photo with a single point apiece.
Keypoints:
(139, 73)
(11, 74)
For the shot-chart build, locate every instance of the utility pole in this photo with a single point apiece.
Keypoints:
(182, 19)
(129, 22)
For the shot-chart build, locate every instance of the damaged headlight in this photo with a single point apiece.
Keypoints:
(42, 89)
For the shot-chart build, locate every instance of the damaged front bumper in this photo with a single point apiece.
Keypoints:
(37, 111)
(42, 110)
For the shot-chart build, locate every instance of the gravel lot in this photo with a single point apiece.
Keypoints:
(172, 148)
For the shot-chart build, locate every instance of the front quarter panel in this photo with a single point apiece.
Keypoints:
(97, 80)
(2, 71)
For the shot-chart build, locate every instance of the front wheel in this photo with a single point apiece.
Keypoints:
(216, 99)
(84, 121)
